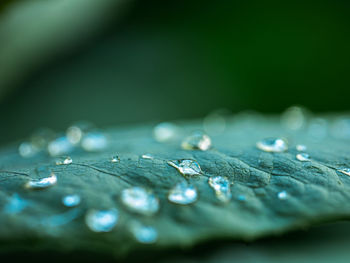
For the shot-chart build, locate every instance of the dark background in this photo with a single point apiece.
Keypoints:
(165, 60)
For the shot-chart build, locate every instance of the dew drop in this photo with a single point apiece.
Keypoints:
(345, 171)
(272, 145)
(15, 204)
(71, 200)
(215, 122)
(101, 220)
(186, 166)
(283, 195)
(42, 137)
(60, 146)
(197, 141)
(64, 160)
(115, 159)
(294, 118)
(303, 157)
(165, 131)
(76, 131)
(301, 148)
(94, 142)
(183, 194)
(144, 234)
(221, 187)
(147, 156)
(140, 200)
(27, 150)
(43, 182)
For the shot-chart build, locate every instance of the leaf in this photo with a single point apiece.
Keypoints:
(33, 32)
(321, 244)
(316, 191)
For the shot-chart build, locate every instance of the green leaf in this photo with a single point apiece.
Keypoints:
(316, 190)
(58, 28)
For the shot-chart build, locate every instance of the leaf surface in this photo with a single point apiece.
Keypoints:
(316, 190)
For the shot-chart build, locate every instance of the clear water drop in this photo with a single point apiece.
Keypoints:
(42, 137)
(147, 156)
(294, 118)
(27, 150)
(186, 166)
(165, 131)
(183, 194)
(44, 182)
(101, 220)
(283, 195)
(60, 146)
(197, 141)
(76, 131)
(144, 234)
(221, 187)
(15, 204)
(301, 148)
(64, 160)
(115, 159)
(140, 200)
(94, 142)
(303, 157)
(71, 200)
(345, 171)
(276, 145)
(215, 122)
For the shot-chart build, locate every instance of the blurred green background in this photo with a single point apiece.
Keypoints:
(117, 62)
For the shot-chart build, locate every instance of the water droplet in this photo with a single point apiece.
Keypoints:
(144, 234)
(165, 131)
(44, 182)
(301, 147)
(283, 195)
(294, 118)
(115, 159)
(183, 194)
(15, 204)
(186, 166)
(197, 141)
(94, 142)
(345, 171)
(42, 137)
(303, 157)
(276, 145)
(60, 146)
(215, 122)
(76, 132)
(64, 160)
(27, 150)
(221, 186)
(140, 200)
(101, 220)
(147, 156)
(71, 200)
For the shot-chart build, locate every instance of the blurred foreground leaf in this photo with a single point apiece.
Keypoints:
(316, 191)
(33, 32)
